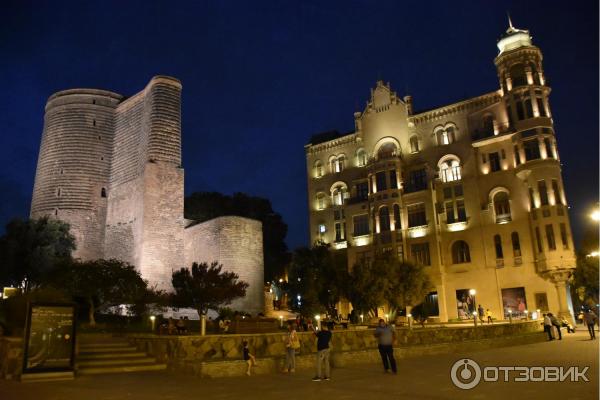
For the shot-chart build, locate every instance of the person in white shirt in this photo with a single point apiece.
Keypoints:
(548, 326)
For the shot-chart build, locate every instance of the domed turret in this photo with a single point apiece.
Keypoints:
(513, 38)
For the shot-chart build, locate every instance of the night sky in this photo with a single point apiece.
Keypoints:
(260, 78)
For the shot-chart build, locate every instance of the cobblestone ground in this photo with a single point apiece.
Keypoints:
(419, 378)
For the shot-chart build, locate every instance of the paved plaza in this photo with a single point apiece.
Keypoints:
(419, 378)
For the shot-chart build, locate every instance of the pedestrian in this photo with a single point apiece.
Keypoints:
(548, 326)
(480, 312)
(249, 358)
(386, 337)
(292, 343)
(323, 339)
(488, 313)
(590, 320)
(564, 323)
(555, 324)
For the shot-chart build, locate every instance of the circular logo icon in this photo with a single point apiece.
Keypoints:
(465, 374)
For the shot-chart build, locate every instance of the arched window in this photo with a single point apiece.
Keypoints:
(103, 192)
(320, 201)
(516, 244)
(384, 219)
(517, 75)
(445, 135)
(502, 207)
(414, 144)
(449, 169)
(498, 246)
(387, 150)
(339, 192)
(361, 158)
(318, 169)
(397, 223)
(460, 252)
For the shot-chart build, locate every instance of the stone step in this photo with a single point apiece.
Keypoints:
(121, 369)
(115, 362)
(108, 349)
(110, 355)
(86, 346)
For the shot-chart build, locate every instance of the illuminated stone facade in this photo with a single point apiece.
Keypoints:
(472, 190)
(110, 166)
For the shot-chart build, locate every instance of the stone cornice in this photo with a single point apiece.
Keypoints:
(465, 105)
(332, 144)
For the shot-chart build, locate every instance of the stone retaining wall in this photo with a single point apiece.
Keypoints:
(196, 354)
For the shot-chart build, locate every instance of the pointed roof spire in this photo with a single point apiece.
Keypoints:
(510, 24)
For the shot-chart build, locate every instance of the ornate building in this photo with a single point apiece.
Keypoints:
(472, 190)
(111, 167)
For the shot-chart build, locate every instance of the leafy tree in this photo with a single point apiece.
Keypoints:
(102, 284)
(203, 206)
(409, 284)
(367, 286)
(30, 249)
(585, 279)
(318, 275)
(205, 287)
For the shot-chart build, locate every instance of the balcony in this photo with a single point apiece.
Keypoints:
(503, 218)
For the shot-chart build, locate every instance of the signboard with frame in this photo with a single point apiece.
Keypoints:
(49, 338)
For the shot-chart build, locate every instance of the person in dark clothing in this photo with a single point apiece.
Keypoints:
(481, 313)
(556, 324)
(590, 320)
(249, 358)
(323, 339)
(386, 336)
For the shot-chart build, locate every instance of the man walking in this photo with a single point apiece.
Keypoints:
(548, 326)
(323, 339)
(480, 312)
(590, 320)
(386, 336)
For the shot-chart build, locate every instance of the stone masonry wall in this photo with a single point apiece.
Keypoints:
(237, 243)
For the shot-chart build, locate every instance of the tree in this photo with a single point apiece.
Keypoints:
(205, 287)
(409, 284)
(585, 279)
(203, 206)
(367, 285)
(102, 284)
(318, 275)
(31, 248)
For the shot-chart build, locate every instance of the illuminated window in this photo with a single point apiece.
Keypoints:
(550, 237)
(445, 136)
(420, 253)
(320, 201)
(387, 150)
(516, 244)
(318, 169)
(322, 228)
(460, 252)
(361, 158)
(449, 169)
(339, 193)
(502, 207)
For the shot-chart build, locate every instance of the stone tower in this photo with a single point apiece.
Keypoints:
(525, 96)
(111, 167)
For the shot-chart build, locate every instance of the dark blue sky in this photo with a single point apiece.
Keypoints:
(259, 78)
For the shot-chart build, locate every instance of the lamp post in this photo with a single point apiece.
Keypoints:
(318, 319)
(475, 318)
(409, 316)
(526, 315)
(362, 319)
(510, 315)
(473, 292)
(281, 321)
(152, 322)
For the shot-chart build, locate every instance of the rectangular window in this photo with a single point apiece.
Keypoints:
(418, 180)
(516, 244)
(420, 253)
(483, 158)
(517, 155)
(321, 202)
(538, 239)
(450, 212)
(541, 108)
(362, 190)
(543, 192)
(494, 162)
(416, 215)
(460, 211)
(360, 225)
(448, 192)
(550, 237)
(531, 199)
(532, 149)
(393, 180)
(541, 301)
(400, 252)
(337, 215)
(339, 235)
(520, 110)
(380, 179)
(509, 115)
(458, 190)
(528, 108)
(563, 236)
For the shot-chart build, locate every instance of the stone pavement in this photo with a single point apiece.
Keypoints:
(427, 377)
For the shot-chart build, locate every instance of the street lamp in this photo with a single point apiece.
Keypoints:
(473, 292)
(595, 215)
(318, 319)
(152, 321)
(281, 321)
(409, 316)
(475, 318)
(510, 315)
(362, 319)
(526, 315)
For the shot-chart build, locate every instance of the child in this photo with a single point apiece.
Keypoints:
(249, 358)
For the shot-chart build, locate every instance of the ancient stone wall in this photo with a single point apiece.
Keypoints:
(237, 243)
(74, 164)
